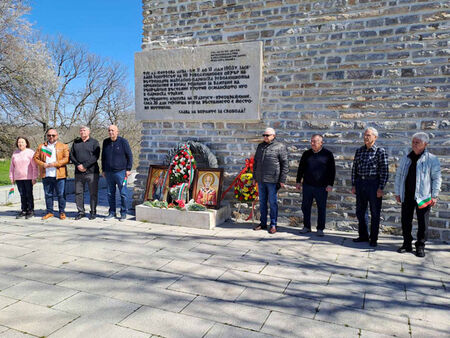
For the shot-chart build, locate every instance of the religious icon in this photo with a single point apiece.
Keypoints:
(208, 186)
(157, 183)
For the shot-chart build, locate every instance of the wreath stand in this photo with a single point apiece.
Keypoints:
(252, 215)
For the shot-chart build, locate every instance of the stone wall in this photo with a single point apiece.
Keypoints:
(330, 67)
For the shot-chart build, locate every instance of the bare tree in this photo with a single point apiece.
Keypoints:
(26, 75)
(56, 82)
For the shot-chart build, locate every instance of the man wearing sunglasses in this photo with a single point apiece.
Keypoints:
(52, 157)
(270, 168)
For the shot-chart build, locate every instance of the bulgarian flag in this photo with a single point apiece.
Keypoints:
(424, 203)
(47, 152)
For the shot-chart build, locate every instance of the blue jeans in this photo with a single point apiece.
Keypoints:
(268, 191)
(115, 178)
(366, 192)
(52, 184)
(320, 195)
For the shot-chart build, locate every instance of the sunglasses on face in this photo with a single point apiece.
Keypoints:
(266, 135)
(51, 135)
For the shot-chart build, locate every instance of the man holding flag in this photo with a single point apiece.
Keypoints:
(52, 157)
(417, 186)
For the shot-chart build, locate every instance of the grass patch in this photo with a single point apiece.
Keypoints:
(4, 172)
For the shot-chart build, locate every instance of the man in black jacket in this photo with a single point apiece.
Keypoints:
(84, 154)
(117, 161)
(317, 171)
(270, 169)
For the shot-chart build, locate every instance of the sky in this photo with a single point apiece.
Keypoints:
(109, 28)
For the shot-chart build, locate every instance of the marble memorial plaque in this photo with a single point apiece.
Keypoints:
(204, 83)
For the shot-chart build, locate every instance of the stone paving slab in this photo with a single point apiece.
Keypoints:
(38, 293)
(167, 324)
(283, 325)
(99, 307)
(225, 312)
(34, 319)
(94, 327)
(368, 320)
(135, 279)
(208, 288)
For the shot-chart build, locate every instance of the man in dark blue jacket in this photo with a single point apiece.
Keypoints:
(117, 161)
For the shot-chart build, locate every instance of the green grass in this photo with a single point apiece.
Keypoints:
(4, 172)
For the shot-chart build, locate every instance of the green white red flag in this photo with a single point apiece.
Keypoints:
(424, 203)
(47, 152)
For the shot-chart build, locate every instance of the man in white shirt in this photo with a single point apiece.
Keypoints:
(52, 157)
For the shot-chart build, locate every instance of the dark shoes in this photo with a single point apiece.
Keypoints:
(404, 248)
(260, 227)
(360, 239)
(305, 230)
(92, 216)
(373, 244)
(29, 214)
(79, 216)
(420, 251)
(21, 214)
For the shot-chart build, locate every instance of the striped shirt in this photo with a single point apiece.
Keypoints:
(372, 162)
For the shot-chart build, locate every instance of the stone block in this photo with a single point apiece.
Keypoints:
(194, 219)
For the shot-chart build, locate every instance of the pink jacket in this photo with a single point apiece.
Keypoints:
(22, 166)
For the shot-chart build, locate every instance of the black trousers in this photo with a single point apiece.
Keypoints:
(423, 221)
(80, 182)
(25, 188)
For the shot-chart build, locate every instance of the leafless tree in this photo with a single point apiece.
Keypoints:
(26, 74)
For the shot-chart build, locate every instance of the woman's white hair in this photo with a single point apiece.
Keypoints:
(421, 136)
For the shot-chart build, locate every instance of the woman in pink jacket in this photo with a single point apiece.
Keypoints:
(23, 171)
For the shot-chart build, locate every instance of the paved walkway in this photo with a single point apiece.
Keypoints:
(111, 279)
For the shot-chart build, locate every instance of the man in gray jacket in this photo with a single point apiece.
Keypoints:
(417, 186)
(270, 170)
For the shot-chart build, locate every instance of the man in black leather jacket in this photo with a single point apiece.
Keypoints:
(270, 170)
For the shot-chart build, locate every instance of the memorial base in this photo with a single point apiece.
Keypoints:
(191, 219)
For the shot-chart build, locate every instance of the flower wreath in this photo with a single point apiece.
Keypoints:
(182, 167)
(245, 188)
(181, 174)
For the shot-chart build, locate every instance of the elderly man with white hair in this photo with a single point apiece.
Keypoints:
(270, 169)
(417, 185)
(369, 176)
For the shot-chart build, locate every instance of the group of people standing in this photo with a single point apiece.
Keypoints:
(417, 185)
(417, 182)
(50, 160)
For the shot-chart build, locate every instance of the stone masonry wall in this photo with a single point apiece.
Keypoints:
(332, 67)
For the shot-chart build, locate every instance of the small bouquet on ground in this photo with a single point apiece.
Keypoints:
(193, 206)
(245, 188)
(156, 204)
